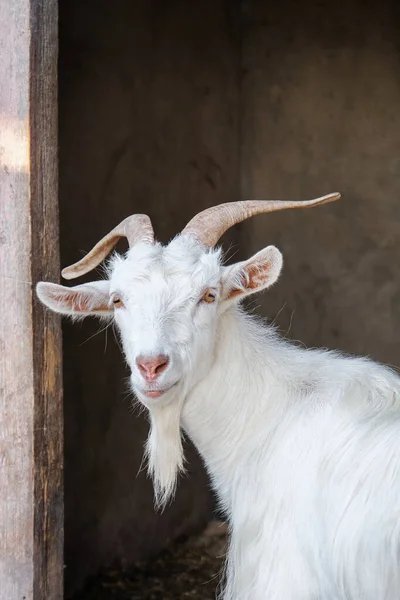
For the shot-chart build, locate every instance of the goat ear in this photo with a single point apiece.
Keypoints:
(258, 273)
(79, 301)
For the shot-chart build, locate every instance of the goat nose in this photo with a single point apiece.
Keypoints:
(152, 366)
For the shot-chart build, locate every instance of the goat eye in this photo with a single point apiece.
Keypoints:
(117, 302)
(208, 297)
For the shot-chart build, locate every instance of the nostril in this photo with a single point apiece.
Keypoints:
(163, 364)
(141, 367)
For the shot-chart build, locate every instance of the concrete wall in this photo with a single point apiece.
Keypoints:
(168, 107)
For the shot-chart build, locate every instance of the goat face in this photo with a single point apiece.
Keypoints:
(166, 301)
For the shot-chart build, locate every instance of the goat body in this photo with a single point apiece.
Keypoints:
(302, 446)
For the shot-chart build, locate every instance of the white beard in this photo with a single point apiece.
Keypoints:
(164, 450)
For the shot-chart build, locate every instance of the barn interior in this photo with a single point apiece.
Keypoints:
(170, 107)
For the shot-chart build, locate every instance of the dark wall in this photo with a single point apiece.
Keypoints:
(148, 123)
(320, 102)
(168, 107)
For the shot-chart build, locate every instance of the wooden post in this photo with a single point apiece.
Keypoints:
(31, 441)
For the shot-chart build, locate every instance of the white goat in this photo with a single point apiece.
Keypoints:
(302, 446)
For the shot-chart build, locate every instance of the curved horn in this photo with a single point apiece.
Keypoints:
(136, 228)
(210, 225)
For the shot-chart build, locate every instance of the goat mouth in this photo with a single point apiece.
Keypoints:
(157, 393)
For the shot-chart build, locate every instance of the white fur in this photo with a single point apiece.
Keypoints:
(302, 446)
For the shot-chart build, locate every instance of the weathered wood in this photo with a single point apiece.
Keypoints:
(31, 503)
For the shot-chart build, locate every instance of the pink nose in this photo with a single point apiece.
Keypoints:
(152, 366)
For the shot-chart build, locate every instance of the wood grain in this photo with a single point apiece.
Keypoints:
(31, 504)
